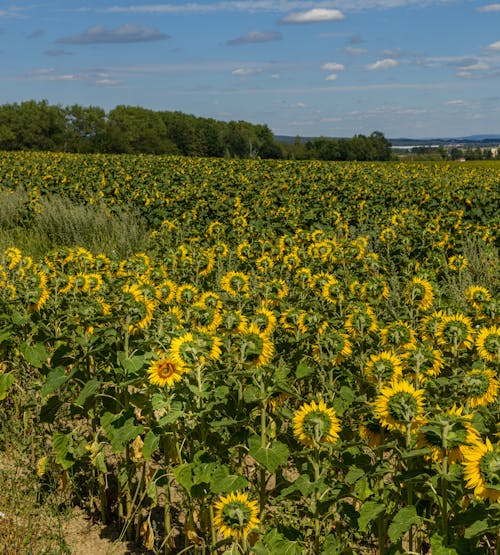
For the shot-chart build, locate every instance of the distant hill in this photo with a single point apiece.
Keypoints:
(400, 141)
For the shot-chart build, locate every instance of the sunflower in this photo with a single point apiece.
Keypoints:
(373, 433)
(488, 344)
(195, 348)
(398, 335)
(235, 283)
(481, 387)
(420, 293)
(477, 295)
(482, 469)
(255, 347)
(186, 293)
(429, 325)
(457, 263)
(332, 346)
(233, 321)
(455, 331)
(388, 235)
(265, 320)
(332, 290)
(383, 366)
(422, 361)
(399, 404)
(166, 291)
(375, 289)
(165, 372)
(264, 263)
(446, 433)
(315, 424)
(361, 320)
(236, 515)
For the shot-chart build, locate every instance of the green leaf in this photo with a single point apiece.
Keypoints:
(269, 457)
(476, 529)
(223, 482)
(332, 545)
(369, 512)
(6, 380)
(120, 431)
(62, 448)
(36, 354)
(304, 369)
(354, 475)
(274, 542)
(402, 522)
(88, 390)
(184, 476)
(151, 444)
(132, 364)
(55, 378)
(4, 335)
(438, 548)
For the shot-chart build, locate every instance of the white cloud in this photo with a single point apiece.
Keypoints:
(331, 77)
(255, 36)
(386, 63)
(455, 103)
(244, 71)
(494, 46)
(333, 66)
(489, 8)
(128, 32)
(316, 15)
(478, 66)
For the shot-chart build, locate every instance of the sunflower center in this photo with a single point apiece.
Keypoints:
(490, 469)
(402, 406)
(166, 369)
(236, 515)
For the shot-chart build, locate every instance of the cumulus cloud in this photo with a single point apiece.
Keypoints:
(495, 46)
(316, 15)
(489, 8)
(128, 32)
(331, 77)
(477, 66)
(386, 63)
(333, 66)
(254, 37)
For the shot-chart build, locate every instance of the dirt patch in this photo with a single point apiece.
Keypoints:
(83, 537)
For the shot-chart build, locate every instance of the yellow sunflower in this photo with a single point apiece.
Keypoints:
(481, 387)
(235, 283)
(446, 432)
(332, 346)
(195, 348)
(455, 331)
(255, 348)
(422, 361)
(481, 462)
(264, 319)
(457, 263)
(429, 325)
(477, 295)
(383, 367)
(399, 404)
(165, 372)
(488, 344)
(236, 515)
(398, 335)
(315, 424)
(361, 320)
(420, 293)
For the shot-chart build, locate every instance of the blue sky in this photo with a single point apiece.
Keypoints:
(403, 67)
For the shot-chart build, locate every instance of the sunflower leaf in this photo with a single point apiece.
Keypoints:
(403, 521)
(270, 457)
(369, 512)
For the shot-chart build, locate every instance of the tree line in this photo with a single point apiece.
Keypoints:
(38, 125)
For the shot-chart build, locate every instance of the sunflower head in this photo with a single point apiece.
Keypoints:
(481, 387)
(488, 343)
(398, 405)
(236, 515)
(315, 424)
(481, 463)
(165, 372)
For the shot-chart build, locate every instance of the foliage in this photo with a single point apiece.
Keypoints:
(302, 359)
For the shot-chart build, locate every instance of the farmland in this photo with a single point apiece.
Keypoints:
(257, 356)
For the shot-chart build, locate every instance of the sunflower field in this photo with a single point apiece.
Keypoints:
(303, 358)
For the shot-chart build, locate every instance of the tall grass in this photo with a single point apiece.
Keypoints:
(56, 221)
